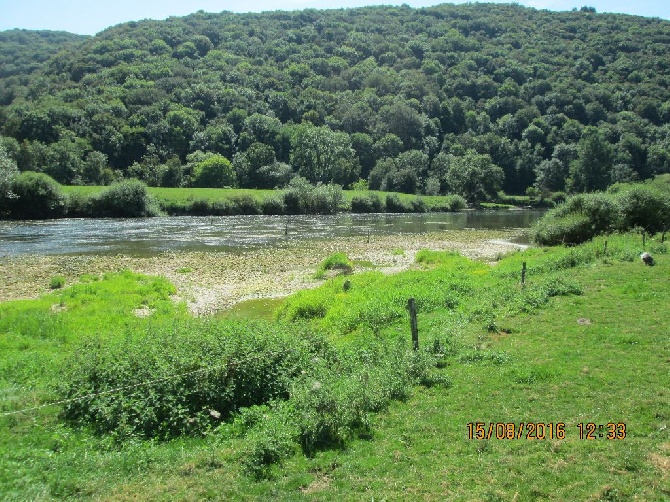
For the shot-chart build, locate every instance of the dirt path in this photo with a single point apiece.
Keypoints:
(209, 282)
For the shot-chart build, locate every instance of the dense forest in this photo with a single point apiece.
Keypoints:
(467, 99)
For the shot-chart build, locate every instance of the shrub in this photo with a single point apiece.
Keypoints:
(394, 204)
(244, 204)
(297, 196)
(450, 203)
(124, 199)
(214, 172)
(79, 205)
(577, 220)
(336, 261)
(36, 196)
(326, 199)
(57, 282)
(643, 206)
(199, 374)
(418, 205)
(370, 203)
(302, 197)
(273, 205)
(570, 229)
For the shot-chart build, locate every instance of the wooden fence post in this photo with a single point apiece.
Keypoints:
(523, 273)
(411, 306)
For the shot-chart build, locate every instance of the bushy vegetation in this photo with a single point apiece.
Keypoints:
(301, 197)
(34, 196)
(198, 374)
(370, 203)
(124, 199)
(444, 99)
(625, 207)
(337, 261)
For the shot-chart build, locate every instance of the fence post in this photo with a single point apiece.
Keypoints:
(523, 273)
(411, 306)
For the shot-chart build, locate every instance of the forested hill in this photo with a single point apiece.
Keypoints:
(413, 100)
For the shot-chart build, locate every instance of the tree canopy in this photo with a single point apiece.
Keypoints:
(383, 93)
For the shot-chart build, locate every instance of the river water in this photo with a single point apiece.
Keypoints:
(150, 236)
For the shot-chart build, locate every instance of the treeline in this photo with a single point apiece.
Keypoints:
(33, 195)
(463, 99)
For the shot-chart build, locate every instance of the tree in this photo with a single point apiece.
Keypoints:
(322, 155)
(591, 170)
(403, 121)
(249, 163)
(214, 172)
(8, 172)
(474, 176)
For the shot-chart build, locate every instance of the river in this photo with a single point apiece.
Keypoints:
(151, 236)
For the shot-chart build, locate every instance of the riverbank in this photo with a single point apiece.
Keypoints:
(214, 281)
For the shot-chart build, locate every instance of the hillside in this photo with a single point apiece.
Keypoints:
(411, 100)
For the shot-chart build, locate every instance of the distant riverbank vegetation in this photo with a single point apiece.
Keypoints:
(37, 196)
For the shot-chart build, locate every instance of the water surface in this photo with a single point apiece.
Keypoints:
(149, 236)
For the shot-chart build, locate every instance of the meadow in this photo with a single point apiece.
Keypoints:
(112, 390)
(323, 199)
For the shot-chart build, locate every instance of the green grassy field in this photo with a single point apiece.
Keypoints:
(180, 200)
(584, 341)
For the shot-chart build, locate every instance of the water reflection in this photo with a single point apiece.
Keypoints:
(154, 235)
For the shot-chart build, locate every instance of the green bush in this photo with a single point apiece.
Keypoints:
(451, 203)
(330, 402)
(124, 199)
(57, 282)
(580, 218)
(326, 199)
(645, 207)
(336, 261)
(301, 197)
(244, 204)
(214, 172)
(570, 229)
(36, 196)
(395, 205)
(181, 380)
(370, 203)
(273, 205)
(625, 207)
(418, 205)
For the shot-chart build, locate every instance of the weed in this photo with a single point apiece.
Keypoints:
(336, 261)
(57, 282)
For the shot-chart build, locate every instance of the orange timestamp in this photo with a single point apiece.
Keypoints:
(512, 430)
(544, 430)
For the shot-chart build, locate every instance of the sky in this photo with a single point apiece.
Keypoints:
(88, 17)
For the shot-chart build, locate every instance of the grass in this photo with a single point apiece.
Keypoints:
(180, 200)
(338, 261)
(585, 340)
